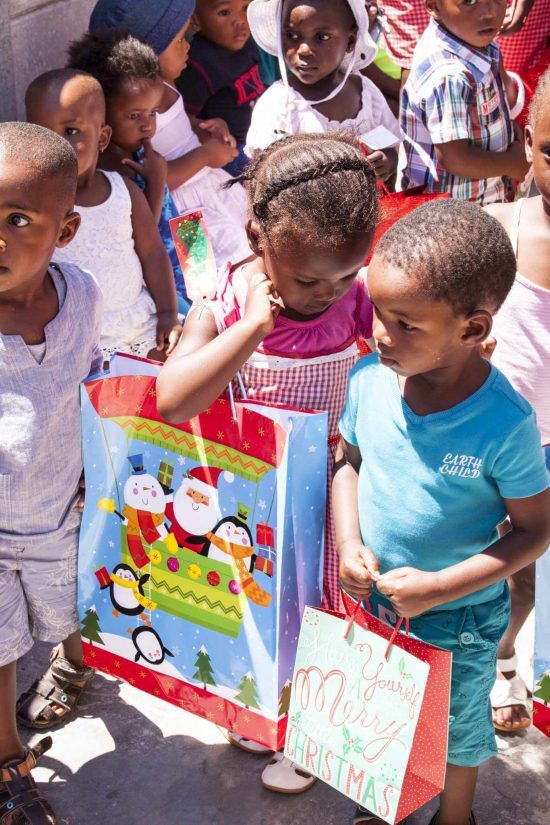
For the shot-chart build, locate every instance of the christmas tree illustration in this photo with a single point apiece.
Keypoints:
(284, 698)
(543, 685)
(204, 668)
(91, 628)
(247, 691)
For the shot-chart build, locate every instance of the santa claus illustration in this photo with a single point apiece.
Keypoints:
(194, 509)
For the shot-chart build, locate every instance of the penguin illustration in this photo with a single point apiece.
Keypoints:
(149, 646)
(126, 590)
(233, 530)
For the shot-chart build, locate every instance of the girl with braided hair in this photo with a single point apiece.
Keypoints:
(290, 319)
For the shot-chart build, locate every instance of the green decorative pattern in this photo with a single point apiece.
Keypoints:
(198, 591)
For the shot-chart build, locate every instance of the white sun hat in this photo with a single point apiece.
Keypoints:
(265, 20)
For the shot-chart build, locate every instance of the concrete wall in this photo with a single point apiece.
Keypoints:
(33, 38)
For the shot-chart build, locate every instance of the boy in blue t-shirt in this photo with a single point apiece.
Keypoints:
(436, 452)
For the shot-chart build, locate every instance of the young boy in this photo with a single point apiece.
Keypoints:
(430, 424)
(222, 78)
(458, 106)
(49, 331)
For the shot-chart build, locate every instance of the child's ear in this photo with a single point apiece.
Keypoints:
(351, 41)
(68, 230)
(194, 22)
(105, 137)
(529, 144)
(253, 233)
(477, 327)
(432, 7)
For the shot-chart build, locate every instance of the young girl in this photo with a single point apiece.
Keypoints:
(118, 240)
(522, 333)
(129, 73)
(321, 47)
(195, 176)
(289, 320)
(430, 424)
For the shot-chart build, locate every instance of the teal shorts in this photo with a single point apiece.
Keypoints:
(472, 635)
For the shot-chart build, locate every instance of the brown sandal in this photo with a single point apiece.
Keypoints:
(21, 802)
(52, 699)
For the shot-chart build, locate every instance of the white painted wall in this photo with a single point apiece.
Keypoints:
(33, 38)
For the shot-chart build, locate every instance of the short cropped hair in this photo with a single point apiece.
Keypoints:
(455, 252)
(113, 56)
(45, 155)
(53, 82)
(540, 103)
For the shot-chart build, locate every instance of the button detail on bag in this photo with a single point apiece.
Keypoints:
(466, 638)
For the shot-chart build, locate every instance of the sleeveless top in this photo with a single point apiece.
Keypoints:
(104, 245)
(522, 331)
(304, 365)
(40, 423)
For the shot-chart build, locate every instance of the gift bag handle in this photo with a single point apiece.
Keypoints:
(232, 396)
(357, 609)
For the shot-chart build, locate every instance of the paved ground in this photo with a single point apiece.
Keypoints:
(131, 759)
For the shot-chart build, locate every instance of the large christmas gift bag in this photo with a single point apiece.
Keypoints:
(541, 690)
(201, 544)
(369, 711)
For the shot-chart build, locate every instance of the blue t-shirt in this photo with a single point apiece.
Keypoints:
(431, 487)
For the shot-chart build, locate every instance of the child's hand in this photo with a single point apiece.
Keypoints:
(263, 303)
(218, 128)
(81, 494)
(169, 330)
(218, 154)
(410, 591)
(358, 569)
(154, 167)
(381, 164)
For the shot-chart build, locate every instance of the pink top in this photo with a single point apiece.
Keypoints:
(522, 331)
(336, 329)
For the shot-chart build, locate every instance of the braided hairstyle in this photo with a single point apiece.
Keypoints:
(314, 189)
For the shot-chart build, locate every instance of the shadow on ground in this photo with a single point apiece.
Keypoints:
(131, 759)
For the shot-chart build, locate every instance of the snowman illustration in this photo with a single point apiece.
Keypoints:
(194, 509)
(149, 646)
(143, 513)
(126, 591)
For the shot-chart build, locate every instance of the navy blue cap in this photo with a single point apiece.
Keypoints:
(157, 22)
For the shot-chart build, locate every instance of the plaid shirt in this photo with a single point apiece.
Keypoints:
(454, 92)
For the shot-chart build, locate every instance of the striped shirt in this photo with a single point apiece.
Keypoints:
(454, 92)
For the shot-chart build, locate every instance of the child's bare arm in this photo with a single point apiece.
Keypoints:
(156, 266)
(204, 362)
(414, 591)
(212, 153)
(384, 163)
(153, 170)
(358, 564)
(461, 158)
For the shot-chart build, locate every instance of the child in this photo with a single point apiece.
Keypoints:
(222, 78)
(194, 175)
(313, 211)
(49, 330)
(321, 43)
(458, 105)
(429, 423)
(118, 239)
(129, 74)
(522, 332)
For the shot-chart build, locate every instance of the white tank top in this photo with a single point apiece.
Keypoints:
(522, 331)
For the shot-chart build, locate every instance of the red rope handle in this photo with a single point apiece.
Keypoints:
(396, 630)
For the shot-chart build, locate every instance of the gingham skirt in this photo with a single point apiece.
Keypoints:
(313, 383)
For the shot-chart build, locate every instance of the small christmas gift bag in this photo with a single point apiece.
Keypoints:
(369, 711)
(195, 255)
(199, 543)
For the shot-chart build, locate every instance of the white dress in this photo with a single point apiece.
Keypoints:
(225, 210)
(104, 245)
(282, 111)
